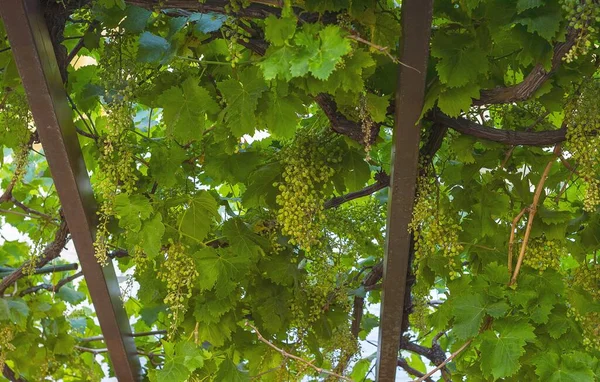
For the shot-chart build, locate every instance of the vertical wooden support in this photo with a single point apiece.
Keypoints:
(416, 31)
(34, 55)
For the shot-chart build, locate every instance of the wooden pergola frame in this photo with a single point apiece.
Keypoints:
(410, 92)
(36, 61)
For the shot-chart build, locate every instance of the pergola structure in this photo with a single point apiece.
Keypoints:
(40, 73)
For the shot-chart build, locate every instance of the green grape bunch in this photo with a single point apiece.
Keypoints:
(308, 168)
(583, 122)
(543, 254)
(435, 229)
(179, 273)
(583, 16)
(117, 162)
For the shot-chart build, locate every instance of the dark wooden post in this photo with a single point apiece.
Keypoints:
(32, 49)
(416, 31)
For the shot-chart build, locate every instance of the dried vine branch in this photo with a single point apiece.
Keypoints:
(511, 241)
(294, 357)
(443, 364)
(532, 211)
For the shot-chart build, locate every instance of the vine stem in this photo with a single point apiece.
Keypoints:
(511, 242)
(441, 365)
(294, 357)
(532, 212)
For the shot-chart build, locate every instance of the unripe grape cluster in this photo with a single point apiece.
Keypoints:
(583, 141)
(544, 254)
(6, 336)
(117, 163)
(307, 171)
(584, 16)
(587, 277)
(179, 273)
(367, 125)
(233, 32)
(435, 229)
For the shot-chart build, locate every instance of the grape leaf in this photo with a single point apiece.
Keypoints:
(279, 30)
(276, 63)
(544, 21)
(461, 60)
(242, 97)
(566, 368)
(282, 115)
(228, 371)
(151, 234)
(196, 220)
(242, 240)
(469, 310)
(523, 5)
(153, 49)
(131, 210)
(185, 110)
(136, 19)
(358, 170)
(453, 101)
(333, 46)
(502, 347)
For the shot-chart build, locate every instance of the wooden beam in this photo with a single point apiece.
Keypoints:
(416, 31)
(34, 55)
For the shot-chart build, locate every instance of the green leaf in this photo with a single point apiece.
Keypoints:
(462, 147)
(260, 190)
(64, 344)
(165, 164)
(14, 310)
(208, 22)
(202, 210)
(377, 106)
(523, 5)
(70, 295)
(333, 47)
(207, 262)
(210, 310)
(469, 310)
(279, 30)
(242, 98)
(150, 236)
(461, 60)
(358, 170)
(276, 62)
(185, 110)
(228, 371)
(453, 101)
(501, 350)
(497, 309)
(216, 334)
(544, 21)
(153, 49)
(171, 371)
(570, 368)
(136, 19)
(131, 210)
(282, 115)
(242, 240)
